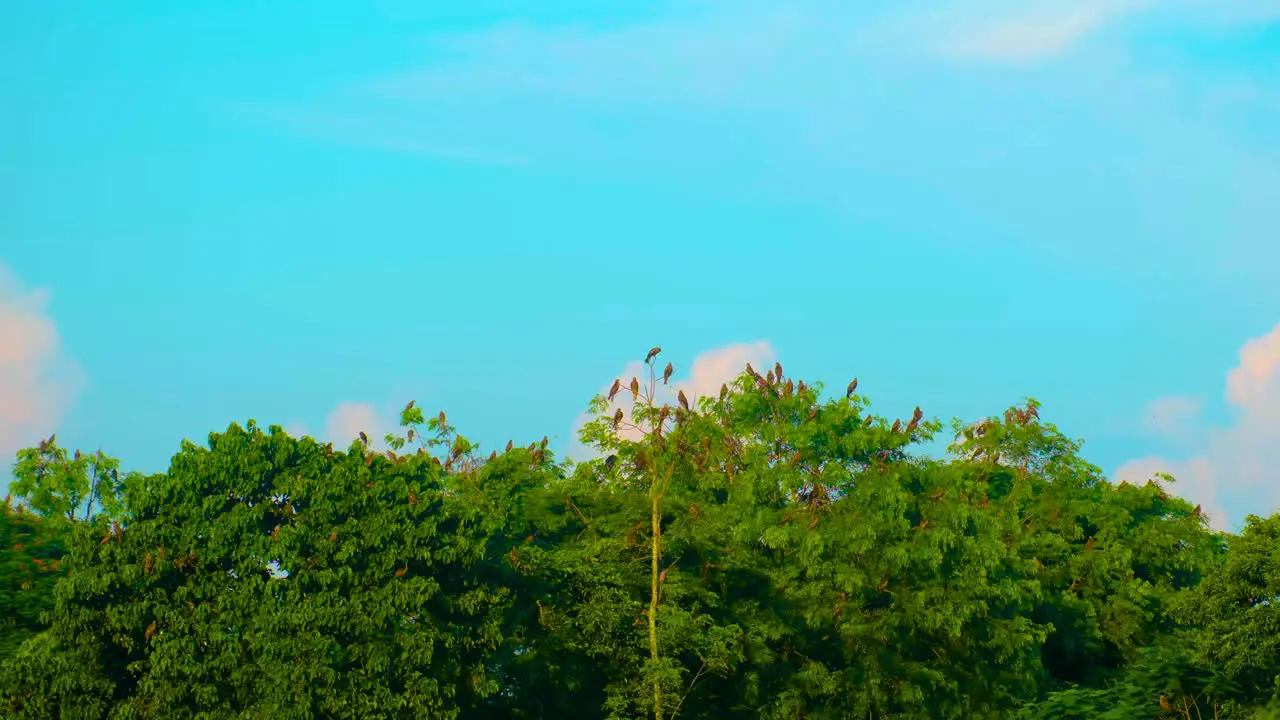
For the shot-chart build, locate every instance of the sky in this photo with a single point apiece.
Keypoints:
(308, 214)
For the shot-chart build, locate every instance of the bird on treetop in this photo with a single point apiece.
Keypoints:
(853, 385)
(653, 351)
(666, 373)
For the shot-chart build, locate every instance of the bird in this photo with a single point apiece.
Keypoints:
(684, 401)
(751, 371)
(364, 438)
(1090, 544)
(410, 405)
(777, 370)
(441, 419)
(635, 387)
(801, 388)
(915, 419)
(617, 418)
(897, 426)
(543, 444)
(653, 351)
(867, 422)
(724, 391)
(609, 462)
(666, 373)
(510, 444)
(853, 385)
(613, 389)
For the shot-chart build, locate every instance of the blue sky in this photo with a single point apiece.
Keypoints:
(310, 216)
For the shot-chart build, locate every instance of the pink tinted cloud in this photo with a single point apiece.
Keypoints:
(1239, 470)
(38, 382)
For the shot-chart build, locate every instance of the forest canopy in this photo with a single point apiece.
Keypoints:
(774, 551)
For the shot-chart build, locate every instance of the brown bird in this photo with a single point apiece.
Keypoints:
(666, 373)
(777, 370)
(867, 422)
(443, 422)
(364, 438)
(684, 401)
(853, 385)
(724, 391)
(613, 389)
(77, 454)
(617, 418)
(915, 420)
(510, 444)
(151, 630)
(1090, 544)
(752, 371)
(543, 444)
(1198, 511)
(493, 455)
(897, 426)
(402, 571)
(801, 388)
(410, 405)
(653, 351)
(635, 387)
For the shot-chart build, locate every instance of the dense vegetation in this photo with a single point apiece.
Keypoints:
(761, 554)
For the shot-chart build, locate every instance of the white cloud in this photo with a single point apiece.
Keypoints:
(709, 371)
(1173, 416)
(349, 419)
(296, 430)
(1026, 35)
(38, 382)
(1239, 471)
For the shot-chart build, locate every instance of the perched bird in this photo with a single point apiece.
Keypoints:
(443, 422)
(510, 444)
(364, 438)
(852, 386)
(609, 462)
(752, 371)
(684, 401)
(635, 387)
(410, 405)
(666, 373)
(867, 422)
(613, 389)
(653, 351)
(617, 418)
(915, 420)
(724, 391)
(543, 444)
(777, 370)
(897, 426)
(801, 387)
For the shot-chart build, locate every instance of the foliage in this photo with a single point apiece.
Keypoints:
(771, 552)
